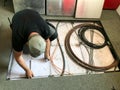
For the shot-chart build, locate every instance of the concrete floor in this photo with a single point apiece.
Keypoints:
(107, 81)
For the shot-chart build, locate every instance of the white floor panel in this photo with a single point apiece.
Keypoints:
(42, 68)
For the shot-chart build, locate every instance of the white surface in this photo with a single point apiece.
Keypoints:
(89, 8)
(118, 10)
(42, 68)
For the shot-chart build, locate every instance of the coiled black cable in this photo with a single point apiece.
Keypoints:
(81, 62)
(81, 34)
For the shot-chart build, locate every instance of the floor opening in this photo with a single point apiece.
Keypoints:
(82, 47)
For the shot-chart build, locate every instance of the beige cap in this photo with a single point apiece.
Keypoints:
(37, 45)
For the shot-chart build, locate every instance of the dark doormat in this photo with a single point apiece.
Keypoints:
(82, 48)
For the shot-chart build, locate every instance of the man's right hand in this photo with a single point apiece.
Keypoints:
(29, 74)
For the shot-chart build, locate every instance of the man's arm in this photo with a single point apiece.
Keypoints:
(21, 62)
(47, 50)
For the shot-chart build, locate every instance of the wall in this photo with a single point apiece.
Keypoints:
(111, 4)
(89, 8)
(118, 10)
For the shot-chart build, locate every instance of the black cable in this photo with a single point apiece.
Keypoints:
(63, 69)
(77, 60)
(81, 33)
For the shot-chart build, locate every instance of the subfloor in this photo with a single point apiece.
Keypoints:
(107, 81)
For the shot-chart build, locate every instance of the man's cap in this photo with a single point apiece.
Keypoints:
(37, 45)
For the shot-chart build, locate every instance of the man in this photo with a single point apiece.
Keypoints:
(30, 29)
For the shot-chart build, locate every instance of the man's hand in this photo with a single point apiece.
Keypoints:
(50, 58)
(21, 62)
(29, 74)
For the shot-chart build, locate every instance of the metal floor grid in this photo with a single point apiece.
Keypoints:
(96, 57)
